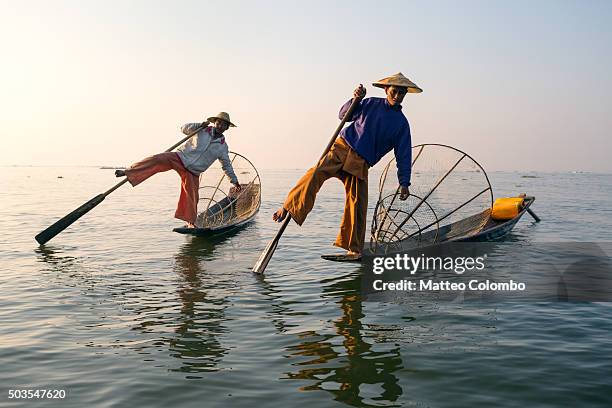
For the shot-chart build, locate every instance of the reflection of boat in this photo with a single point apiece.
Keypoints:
(226, 209)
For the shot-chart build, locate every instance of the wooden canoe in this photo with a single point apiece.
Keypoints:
(492, 230)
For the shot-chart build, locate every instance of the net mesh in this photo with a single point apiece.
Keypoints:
(221, 204)
(450, 197)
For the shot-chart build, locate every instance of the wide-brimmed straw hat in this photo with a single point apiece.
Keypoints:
(398, 80)
(223, 116)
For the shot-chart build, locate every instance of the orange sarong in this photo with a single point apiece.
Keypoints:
(187, 207)
(345, 164)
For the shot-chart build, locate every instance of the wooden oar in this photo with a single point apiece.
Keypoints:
(266, 255)
(63, 223)
(529, 210)
(535, 217)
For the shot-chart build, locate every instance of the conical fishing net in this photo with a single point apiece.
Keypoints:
(221, 204)
(450, 197)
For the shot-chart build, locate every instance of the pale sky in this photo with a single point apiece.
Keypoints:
(519, 85)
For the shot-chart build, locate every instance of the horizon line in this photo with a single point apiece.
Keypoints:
(107, 167)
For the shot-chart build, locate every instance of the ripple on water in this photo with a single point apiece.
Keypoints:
(121, 311)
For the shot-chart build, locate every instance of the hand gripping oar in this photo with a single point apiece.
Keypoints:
(63, 223)
(266, 255)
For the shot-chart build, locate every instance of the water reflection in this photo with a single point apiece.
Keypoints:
(280, 309)
(53, 257)
(65, 270)
(352, 370)
(202, 311)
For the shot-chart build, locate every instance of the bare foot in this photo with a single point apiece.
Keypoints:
(190, 225)
(353, 254)
(119, 173)
(280, 215)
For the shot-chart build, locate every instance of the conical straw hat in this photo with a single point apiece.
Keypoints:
(398, 80)
(224, 116)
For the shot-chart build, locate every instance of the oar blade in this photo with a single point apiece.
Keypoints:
(45, 236)
(265, 257)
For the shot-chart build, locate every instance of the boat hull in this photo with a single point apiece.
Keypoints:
(214, 232)
(491, 231)
(496, 230)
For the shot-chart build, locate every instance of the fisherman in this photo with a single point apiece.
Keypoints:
(192, 158)
(378, 125)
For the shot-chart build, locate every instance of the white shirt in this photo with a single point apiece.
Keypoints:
(199, 152)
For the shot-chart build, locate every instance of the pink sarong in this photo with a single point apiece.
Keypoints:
(187, 207)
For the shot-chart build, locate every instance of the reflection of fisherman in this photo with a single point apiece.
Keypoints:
(353, 362)
(191, 159)
(378, 125)
(197, 344)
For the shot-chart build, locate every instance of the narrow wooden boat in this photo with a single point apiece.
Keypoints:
(224, 209)
(450, 200)
(491, 230)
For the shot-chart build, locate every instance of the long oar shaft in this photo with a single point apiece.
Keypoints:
(46, 235)
(535, 217)
(266, 255)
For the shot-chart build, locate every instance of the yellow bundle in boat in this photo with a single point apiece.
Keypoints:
(506, 208)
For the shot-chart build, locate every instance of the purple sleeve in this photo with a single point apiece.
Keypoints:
(403, 155)
(356, 112)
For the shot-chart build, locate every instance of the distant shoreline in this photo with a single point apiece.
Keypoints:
(107, 167)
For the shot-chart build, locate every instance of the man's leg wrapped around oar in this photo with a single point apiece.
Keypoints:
(186, 209)
(343, 163)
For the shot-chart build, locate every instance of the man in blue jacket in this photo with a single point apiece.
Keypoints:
(378, 125)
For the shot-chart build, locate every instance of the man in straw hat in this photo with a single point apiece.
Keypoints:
(191, 159)
(378, 125)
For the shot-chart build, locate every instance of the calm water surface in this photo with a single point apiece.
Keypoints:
(120, 311)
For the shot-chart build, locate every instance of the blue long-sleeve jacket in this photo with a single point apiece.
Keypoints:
(376, 128)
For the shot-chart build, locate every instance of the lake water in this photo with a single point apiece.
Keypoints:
(118, 310)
